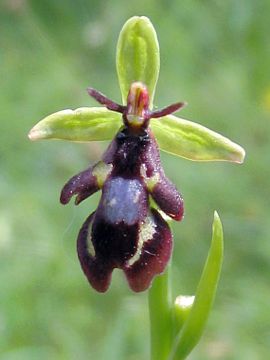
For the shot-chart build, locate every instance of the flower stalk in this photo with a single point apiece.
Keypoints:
(161, 316)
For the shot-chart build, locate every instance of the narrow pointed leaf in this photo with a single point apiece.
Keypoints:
(193, 141)
(195, 323)
(83, 124)
(137, 55)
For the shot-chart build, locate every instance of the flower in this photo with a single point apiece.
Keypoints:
(125, 232)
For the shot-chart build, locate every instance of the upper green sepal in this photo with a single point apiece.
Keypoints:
(195, 321)
(82, 124)
(194, 141)
(137, 56)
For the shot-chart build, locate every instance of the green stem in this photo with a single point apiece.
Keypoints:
(161, 317)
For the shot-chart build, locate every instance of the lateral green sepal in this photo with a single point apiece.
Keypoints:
(82, 124)
(193, 141)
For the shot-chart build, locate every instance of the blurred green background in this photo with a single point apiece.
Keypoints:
(216, 56)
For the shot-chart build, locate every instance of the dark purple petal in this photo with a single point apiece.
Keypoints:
(154, 255)
(83, 184)
(103, 100)
(167, 110)
(98, 270)
(168, 198)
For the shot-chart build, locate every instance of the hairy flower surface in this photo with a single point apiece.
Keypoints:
(125, 232)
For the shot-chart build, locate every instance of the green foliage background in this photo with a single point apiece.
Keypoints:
(216, 56)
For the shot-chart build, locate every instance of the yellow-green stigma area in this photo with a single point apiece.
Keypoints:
(101, 171)
(137, 105)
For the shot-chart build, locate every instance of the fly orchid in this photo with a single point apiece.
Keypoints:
(125, 232)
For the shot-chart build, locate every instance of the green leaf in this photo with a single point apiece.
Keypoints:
(137, 55)
(194, 141)
(83, 124)
(193, 327)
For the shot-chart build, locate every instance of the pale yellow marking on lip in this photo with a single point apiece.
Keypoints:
(89, 244)
(147, 231)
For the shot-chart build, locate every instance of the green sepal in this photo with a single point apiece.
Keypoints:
(82, 124)
(194, 325)
(137, 56)
(193, 141)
